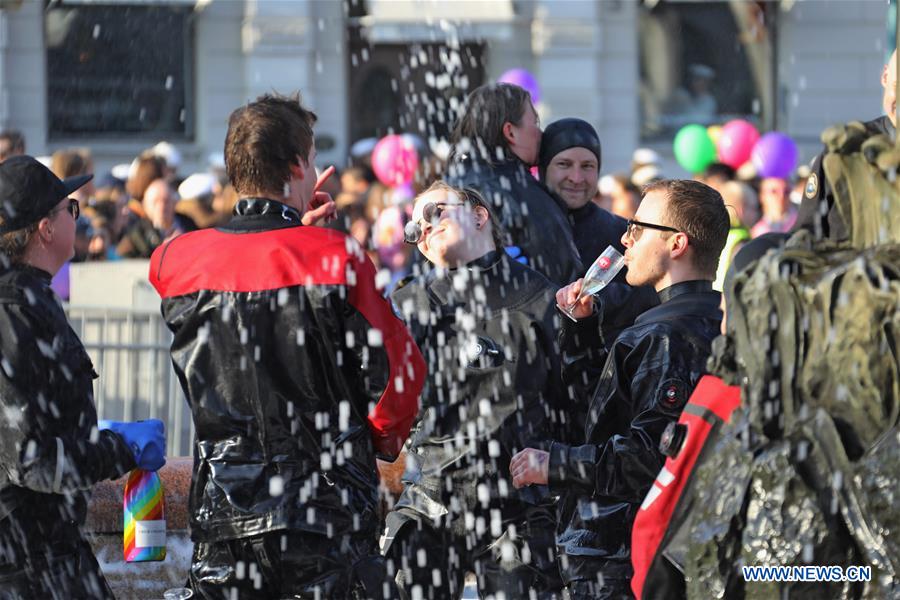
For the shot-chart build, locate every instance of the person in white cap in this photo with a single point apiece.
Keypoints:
(197, 193)
(169, 153)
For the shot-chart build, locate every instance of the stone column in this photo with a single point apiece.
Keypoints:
(23, 77)
(299, 45)
(4, 87)
(586, 60)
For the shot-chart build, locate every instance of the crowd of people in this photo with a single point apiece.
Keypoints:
(132, 209)
(530, 440)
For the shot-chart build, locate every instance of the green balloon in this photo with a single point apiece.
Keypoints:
(693, 148)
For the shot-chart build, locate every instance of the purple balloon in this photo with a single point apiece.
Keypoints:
(774, 155)
(60, 283)
(523, 79)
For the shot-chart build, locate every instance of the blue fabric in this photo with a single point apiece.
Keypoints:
(147, 440)
(515, 253)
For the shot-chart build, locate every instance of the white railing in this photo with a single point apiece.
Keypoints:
(130, 351)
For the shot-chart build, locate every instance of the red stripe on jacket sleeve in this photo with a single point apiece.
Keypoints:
(398, 405)
(652, 520)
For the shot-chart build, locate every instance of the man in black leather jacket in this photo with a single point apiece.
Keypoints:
(494, 144)
(647, 376)
(297, 373)
(51, 451)
(569, 165)
(486, 325)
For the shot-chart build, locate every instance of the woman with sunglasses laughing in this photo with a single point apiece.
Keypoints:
(485, 324)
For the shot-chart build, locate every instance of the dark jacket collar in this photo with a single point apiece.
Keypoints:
(883, 125)
(28, 270)
(509, 166)
(685, 287)
(585, 211)
(261, 214)
(688, 298)
(441, 280)
(485, 262)
(24, 283)
(493, 271)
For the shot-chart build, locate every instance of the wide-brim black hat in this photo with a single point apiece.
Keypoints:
(29, 191)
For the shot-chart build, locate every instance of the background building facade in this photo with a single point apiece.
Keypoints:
(120, 76)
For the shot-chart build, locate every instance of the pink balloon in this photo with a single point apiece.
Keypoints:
(736, 142)
(395, 160)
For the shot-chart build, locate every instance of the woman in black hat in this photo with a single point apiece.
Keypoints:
(51, 450)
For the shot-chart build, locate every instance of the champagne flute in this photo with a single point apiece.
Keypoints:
(604, 269)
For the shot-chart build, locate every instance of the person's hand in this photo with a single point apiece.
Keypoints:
(321, 208)
(567, 295)
(530, 466)
(146, 439)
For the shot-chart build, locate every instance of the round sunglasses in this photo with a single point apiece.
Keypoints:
(431, 213)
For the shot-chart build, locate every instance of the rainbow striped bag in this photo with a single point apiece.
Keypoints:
(145, 517)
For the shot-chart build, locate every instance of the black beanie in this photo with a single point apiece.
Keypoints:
(564, 134)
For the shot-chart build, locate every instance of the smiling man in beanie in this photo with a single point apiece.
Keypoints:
(51, 450)
(569, 165)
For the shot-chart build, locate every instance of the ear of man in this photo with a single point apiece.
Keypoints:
(482, 217)
(509, 132)
(298, 168)
(45, 230)
(679, 246)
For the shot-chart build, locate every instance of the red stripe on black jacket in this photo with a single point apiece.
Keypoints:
(217, 261)
(711, 403)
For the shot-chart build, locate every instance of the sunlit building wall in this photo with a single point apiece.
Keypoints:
(617, 63)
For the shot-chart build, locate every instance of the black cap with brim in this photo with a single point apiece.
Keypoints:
(29, 191)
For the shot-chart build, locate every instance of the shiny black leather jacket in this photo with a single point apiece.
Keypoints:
(642, 386)
(531, 217)
(296, 370)
(488, 334)
(50, 450)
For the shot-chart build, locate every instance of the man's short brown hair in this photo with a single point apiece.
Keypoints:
(264, 140)
(699, 211)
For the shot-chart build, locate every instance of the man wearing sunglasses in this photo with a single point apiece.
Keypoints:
(51, 451)
(487, 326)
(638, 389)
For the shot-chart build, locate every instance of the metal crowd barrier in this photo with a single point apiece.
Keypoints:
(130, 351)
